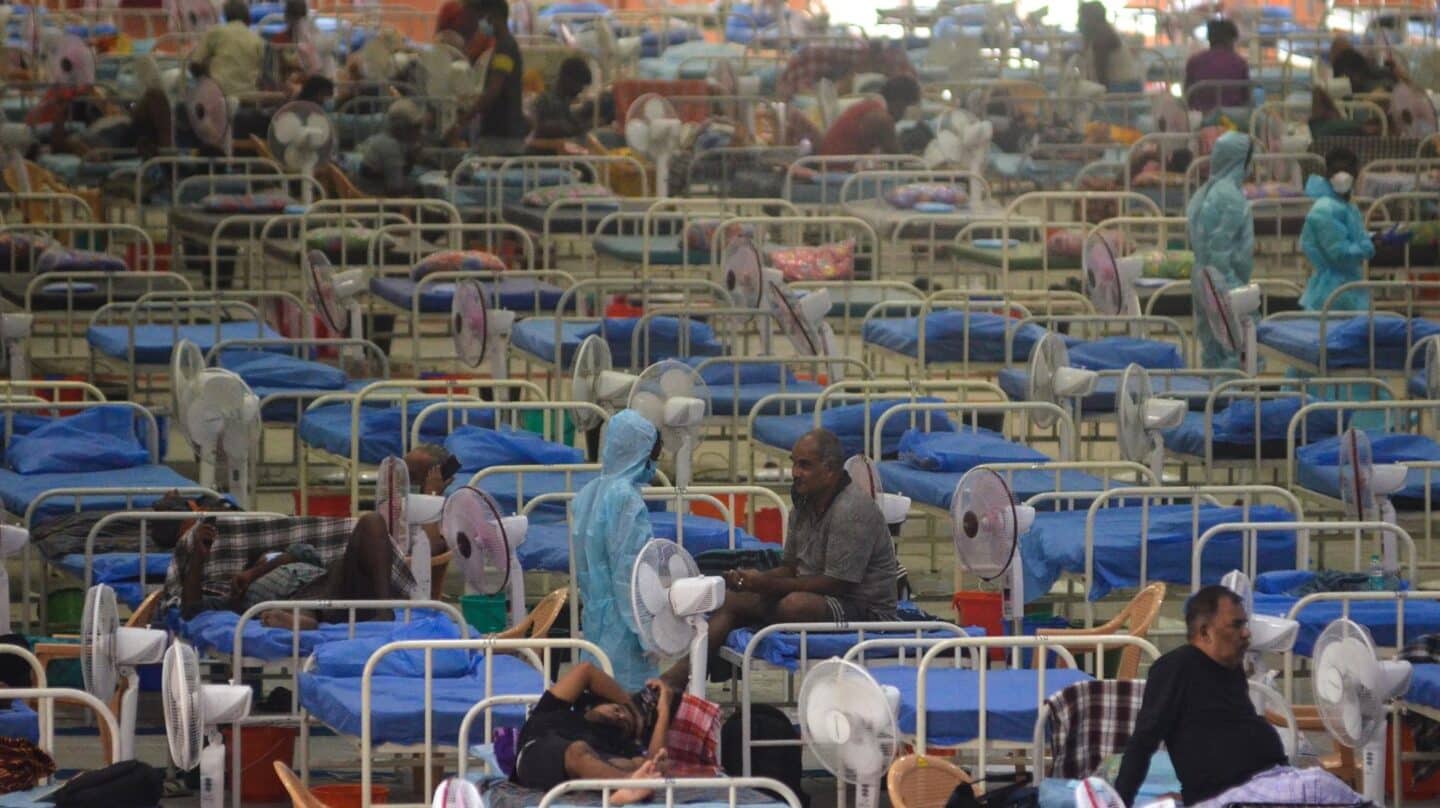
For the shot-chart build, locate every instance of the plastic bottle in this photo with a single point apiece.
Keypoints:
(1377, 574)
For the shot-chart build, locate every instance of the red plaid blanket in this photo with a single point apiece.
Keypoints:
(693, 742)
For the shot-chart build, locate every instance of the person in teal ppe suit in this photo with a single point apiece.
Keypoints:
(1222, 234)
(1334, 238)
(611, 524)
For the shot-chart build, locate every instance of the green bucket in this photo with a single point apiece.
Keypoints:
(64, 607)
(486, 614)
(534, 421)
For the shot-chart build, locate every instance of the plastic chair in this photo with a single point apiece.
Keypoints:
(921, 781)
(1135, 619)
(300, 796)
(540, 620)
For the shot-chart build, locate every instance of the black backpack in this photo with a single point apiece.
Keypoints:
(128, 784)
(767, 723)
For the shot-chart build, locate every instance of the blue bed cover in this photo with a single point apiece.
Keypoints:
(952, 708)
(1318, 465)
(945, 341)
(1424, 685)
(153, 343)
(1271, 588)
(515, 294)
(17, 491)
(536, 336)
(1234, 429)
(214, 633)
(848, 422)
(328, 427)
(1015, 382)
(1347, 340)
(547, 544)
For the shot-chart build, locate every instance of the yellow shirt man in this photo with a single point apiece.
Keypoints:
(232, 55)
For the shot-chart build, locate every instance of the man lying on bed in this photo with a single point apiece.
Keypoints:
(586, 727)
(1197, 701)
(238, 563)
(839, 564)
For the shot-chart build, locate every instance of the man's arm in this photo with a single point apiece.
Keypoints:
(1159, 711)
(662, 718)
(501, 65)
(588, 677)
(882, 132)
(785, 584)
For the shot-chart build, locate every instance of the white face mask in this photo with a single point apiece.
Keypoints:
(1342, 182)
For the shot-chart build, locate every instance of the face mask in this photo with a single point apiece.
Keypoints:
(486, 28)
(1342, 182)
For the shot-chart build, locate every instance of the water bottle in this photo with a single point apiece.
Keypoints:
(1377, 575)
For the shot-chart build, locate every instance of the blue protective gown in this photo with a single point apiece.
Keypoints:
(611, 524)
(1335, 241)
(1222, 234)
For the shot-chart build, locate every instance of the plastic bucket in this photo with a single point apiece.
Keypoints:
(348, 795)
(260, 747)
(767, 520)
(325, 502)
(486, 614)
(64, 607)
(983, 609)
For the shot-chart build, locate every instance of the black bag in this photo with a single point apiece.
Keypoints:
(14, 671)
(767, 723)
(1017, 793)
(715, 562)
(130, 784)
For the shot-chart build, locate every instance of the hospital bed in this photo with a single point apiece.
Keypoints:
(1334, 342)
(1417, 385)
(1417, 253)
(46, 699)
(657, 243)
(910, 231)
(812, 183)
(135, 339)
(17, 718)
(146, 198)
(225, 214)
(1406, 175)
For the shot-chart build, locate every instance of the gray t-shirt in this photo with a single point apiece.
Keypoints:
(849, 542)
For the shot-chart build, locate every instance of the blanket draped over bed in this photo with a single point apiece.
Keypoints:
(1424, 651)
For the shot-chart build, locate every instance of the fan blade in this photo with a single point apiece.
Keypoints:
(649, 405)
(677, 382)
(653, 592)
(287, 127)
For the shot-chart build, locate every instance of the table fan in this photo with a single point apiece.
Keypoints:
(12, 540)
(110, 652)
(654, 130)
(725, 83)
(847, 720)
(894, 507)
(1170, 114)
(1110, 280)
(1142, 417)
(964, 142)
(986, 525)
(71, 63)
(1365, 490)
(1231, 315)
(1412, 113)
(404, 515)
(1268, 634)
(336, 298)
(219, 415)
(210, 115)
(15, 330)
(194, 713)
(746, 277)
(595, 380)
(458, 793)
(1352, 687)
(301, 136)
(478, 330)
(802, 321)
(672, 603)
(1051, 378)
(483, 543)
(672, 396)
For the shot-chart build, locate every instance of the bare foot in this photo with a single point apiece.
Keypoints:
(627, 796)
(279, 618)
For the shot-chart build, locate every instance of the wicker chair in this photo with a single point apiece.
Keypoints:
(540, 620)
(920, 781)
(1135, 619)
(300, 796)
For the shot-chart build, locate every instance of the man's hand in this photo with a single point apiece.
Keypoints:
(203, 540)
(663, 693)
(747, 580)
(434, 483)
(241, 582)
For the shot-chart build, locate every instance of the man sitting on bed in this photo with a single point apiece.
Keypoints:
(839, 563)
(234, 564)
(587, 727)
(1197, 701)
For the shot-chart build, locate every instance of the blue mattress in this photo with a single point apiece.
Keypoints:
(1318, 466)
(113, 568)
(1421, 616)
(945, 335)
(18, 490)
(937, 488)
(547, 545)
(536, 336)
(1015, 382)
(1056, 546)
(824, 189)
(952, 709)
(848, 423)
(214, 633)
(1347, 340)
(19, 721)
(271, 374)
(516, 294)
(479, 448)
(1234, 429)
(506, 490)
(328, 428)
(782, 648)
(395, 707)
(153, 343)
(1424, 685)
(664, 250)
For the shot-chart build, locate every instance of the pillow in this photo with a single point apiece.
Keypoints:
(477, 448)
(64, 259)
(1069, 243)
(20, 251)
(962, 450)
(457, 261)
(545, 197)
(347, 658)
(906, 197)
(98, 439)
(700, 233)
(828, 262)
(1271, 190)
(339, 239)
(268, 202)
(1169, 264)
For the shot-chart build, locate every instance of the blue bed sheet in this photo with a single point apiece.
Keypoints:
(1347, 340)
(1234, 429)
(1421, 616)
(782, 648)
(1424, 686)
(937, 488)
(19, 721)
(113, 568)
(479, 448)
(1318, 465)
(17, 491)
(153, 343)
(1015, 382)
(547, 545)
(848, 422)
(952, 709)
(1055, 546)
(396, 701)
(664, 250)
(945, 334)
(536, 336)
(328, 427)
(271, 374)
(515, 294)
(507, 490)
(214, 633)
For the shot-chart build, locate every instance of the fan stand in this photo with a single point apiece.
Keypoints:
(12, 540)
(1250, 350)
(351, 355)
(15, 332)
(699, 654)
(684, 457)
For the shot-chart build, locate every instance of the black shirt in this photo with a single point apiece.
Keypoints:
(506, 119)
(1203, 713)
(553, 717)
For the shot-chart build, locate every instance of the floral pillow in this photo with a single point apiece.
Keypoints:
(334, 240)
(827, 262)
(1169, 264)
(1272, 190)
(20, 251)
(545, 197)
(1070, 243)
(269, 202)
(457, 261)
(906, 197)
(64, 259)
(699, 234)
